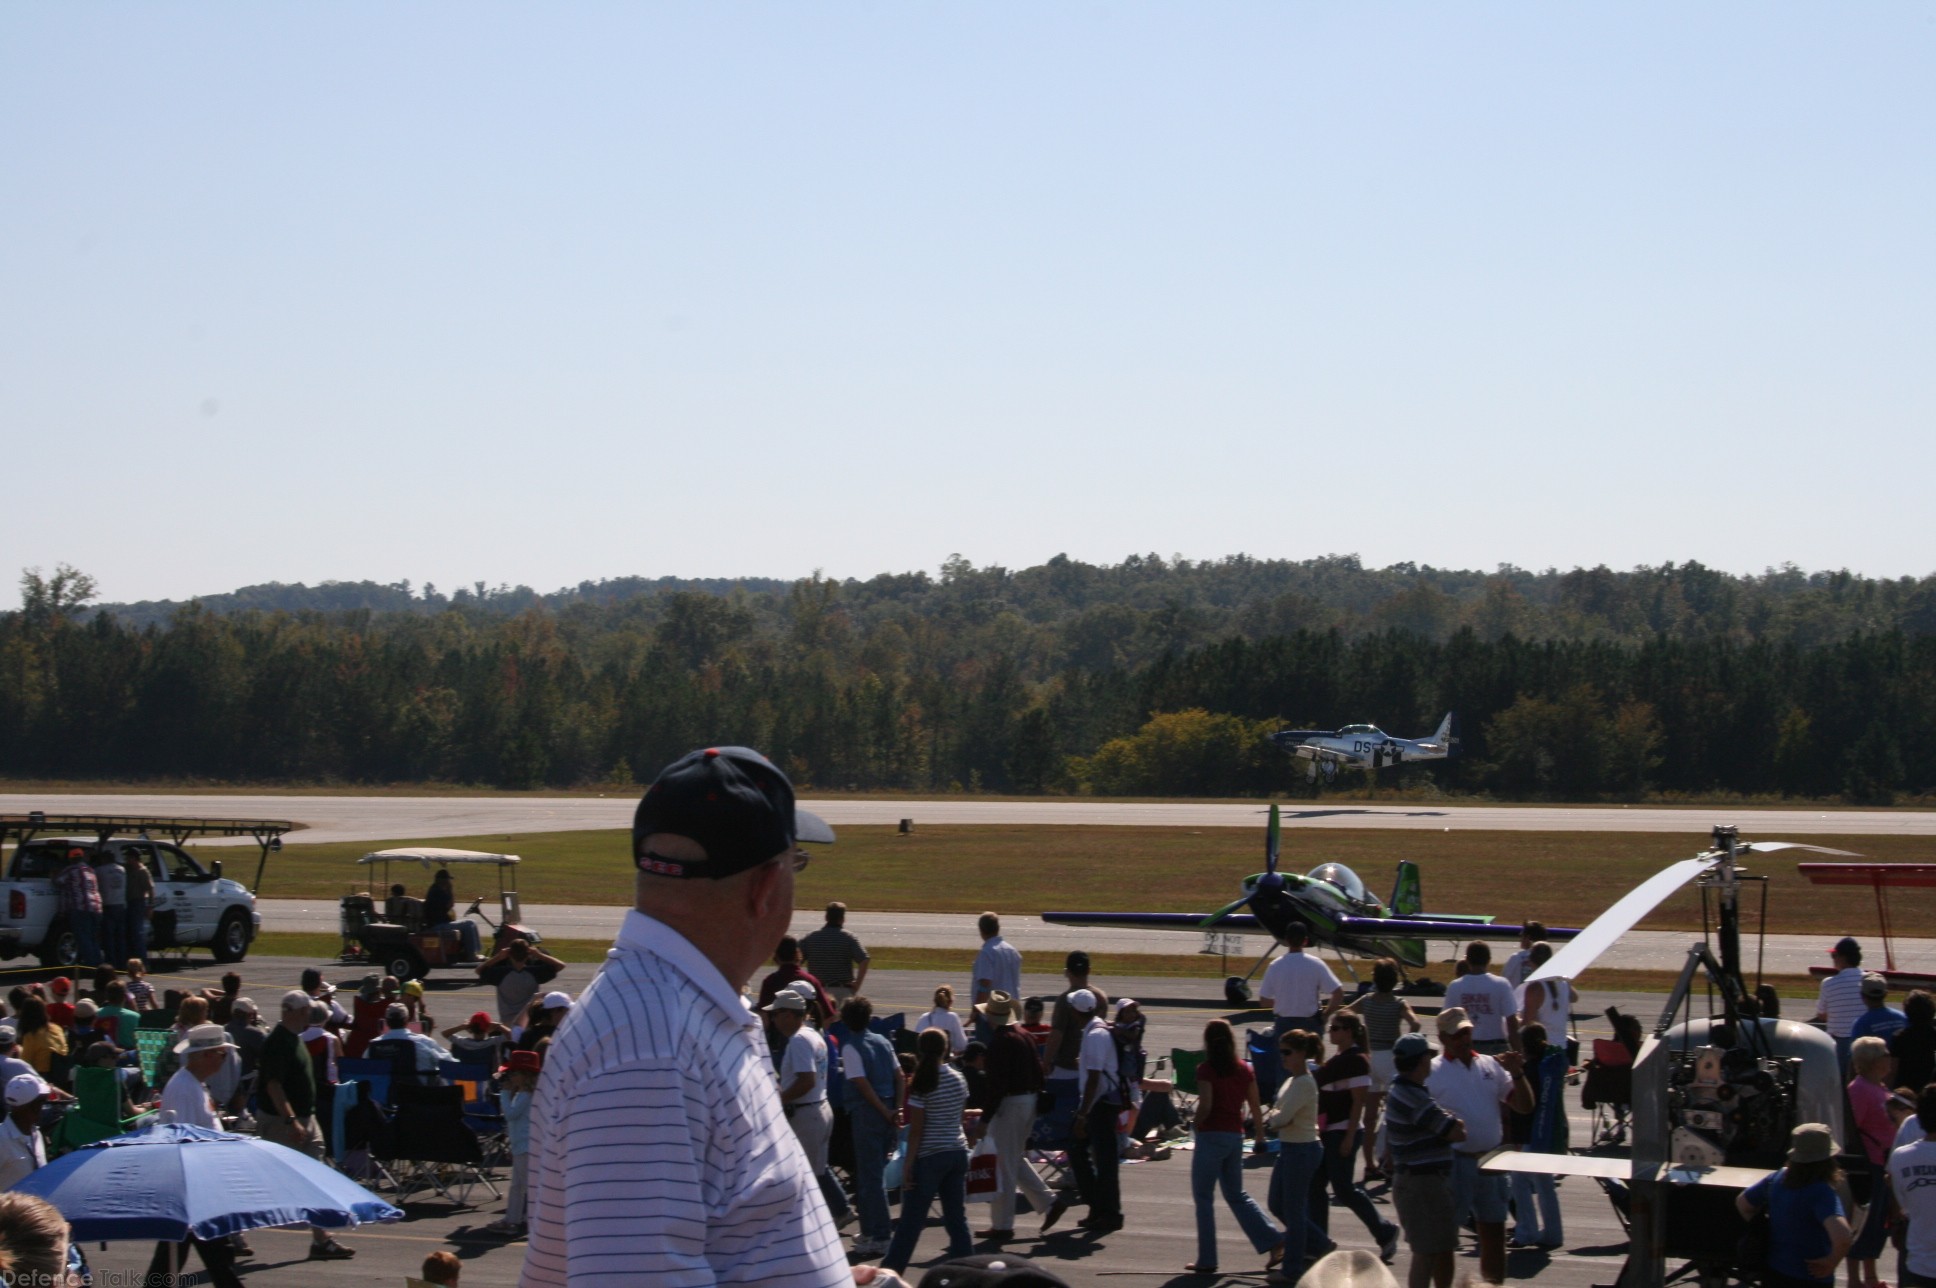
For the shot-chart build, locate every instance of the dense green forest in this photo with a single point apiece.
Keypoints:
(1150, 676)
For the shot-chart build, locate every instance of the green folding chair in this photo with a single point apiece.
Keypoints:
(152, 1045)
(1185, 1064)
(96, 1112)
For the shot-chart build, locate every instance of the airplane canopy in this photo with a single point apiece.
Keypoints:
(1343, 878)
(1363, 728)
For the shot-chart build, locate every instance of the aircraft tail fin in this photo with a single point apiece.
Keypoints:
(1445, 734)
(1408, 892)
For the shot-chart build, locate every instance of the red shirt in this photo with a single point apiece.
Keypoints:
(1229, 1093)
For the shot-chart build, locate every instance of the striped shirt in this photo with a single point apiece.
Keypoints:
(658, 1150)
(1841, 1000)
(1384, 1015)
(941, 1107)
(1416, 1125)
(831, 955)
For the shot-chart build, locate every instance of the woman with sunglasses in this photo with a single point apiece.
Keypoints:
(1344, 1085)
(1225, 1089)
(1300, 1156)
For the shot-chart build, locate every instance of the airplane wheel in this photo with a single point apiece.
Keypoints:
(1236, 991)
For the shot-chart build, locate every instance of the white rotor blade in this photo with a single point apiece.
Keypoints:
(1763, 847)
(1571, 961)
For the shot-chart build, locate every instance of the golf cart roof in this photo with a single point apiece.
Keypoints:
(431, 855)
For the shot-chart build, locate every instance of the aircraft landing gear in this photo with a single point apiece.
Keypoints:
(1236, 990)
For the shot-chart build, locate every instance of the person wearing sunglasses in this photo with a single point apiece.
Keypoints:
(1344, 1085)
(1300, 1155)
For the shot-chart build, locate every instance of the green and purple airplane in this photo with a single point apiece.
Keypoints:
(1335, 907)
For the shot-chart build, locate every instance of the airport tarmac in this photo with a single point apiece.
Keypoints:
(1158, 1241)
(375, 818)
(1637, 950)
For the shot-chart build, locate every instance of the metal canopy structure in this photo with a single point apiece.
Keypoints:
(19, 829)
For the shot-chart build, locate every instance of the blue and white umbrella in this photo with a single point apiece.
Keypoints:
(171, 1181)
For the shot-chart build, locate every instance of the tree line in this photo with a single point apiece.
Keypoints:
(1146, 677)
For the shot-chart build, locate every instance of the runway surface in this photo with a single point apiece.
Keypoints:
(374, 818)
(1043, 943)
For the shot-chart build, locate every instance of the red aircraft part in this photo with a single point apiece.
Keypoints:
(1877, 876)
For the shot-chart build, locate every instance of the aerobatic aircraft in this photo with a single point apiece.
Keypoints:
(1362, 746)
(1335, 907)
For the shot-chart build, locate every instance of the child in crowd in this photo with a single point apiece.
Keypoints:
(440, 1268)
(517, 1082)
(60, 1003)
(140, 993)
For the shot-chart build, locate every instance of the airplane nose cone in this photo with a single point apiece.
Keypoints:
(1272, 881)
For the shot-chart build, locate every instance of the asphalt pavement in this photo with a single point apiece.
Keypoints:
(1637, 950)
(1158, 1242)
(374, 818)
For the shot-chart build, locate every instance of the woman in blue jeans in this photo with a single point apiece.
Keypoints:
(1225, 1088)
(936, 1096)
(1299, 1155)
(1344, 1085)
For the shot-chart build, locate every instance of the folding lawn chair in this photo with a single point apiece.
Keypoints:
(429, 1147)
(1608, 1091)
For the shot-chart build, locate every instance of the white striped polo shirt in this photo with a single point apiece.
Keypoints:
(1841, 1000)
(659, 1151)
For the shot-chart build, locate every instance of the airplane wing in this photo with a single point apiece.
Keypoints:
(1242, 921)
(1426, 926)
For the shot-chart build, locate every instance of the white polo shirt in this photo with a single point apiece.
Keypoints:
(1297, 984)
(1473, 1093)
(658, 1150)
(21, 1153)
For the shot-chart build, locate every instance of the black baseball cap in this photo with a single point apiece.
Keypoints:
(990, 1269)
(734, 802)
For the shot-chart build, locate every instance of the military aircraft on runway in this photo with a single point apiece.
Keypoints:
(1363, 746)
(1335, 907)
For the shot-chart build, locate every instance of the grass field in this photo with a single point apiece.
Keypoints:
(1563, 879)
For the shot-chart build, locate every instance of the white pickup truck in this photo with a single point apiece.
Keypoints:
(194, 906)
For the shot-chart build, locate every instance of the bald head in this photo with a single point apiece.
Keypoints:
(736, 921)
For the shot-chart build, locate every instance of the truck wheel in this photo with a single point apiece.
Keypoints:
(231, 942)
(404, 964)
(61, 947)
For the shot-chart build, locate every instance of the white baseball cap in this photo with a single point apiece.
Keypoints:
(555, 999)
(25, 1088)
(1084, 1001)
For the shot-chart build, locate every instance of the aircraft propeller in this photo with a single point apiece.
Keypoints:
(1573, 959)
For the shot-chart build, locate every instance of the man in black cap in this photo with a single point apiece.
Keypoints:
(660, 1151)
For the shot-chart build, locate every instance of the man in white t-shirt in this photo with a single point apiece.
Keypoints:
(1475, 1088)
(803, 1090)
(1515, 970)
(1912, 1176)
(1300, 991)
(1487, 999)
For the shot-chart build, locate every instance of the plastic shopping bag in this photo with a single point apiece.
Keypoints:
(982, 1171)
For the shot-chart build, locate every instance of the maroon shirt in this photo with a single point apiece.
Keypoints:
(787, 974)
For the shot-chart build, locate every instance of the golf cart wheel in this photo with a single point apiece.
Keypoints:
(1236, 991)
(405, 965)
(61, 948)
(231, 943)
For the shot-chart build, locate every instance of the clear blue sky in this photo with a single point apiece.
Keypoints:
(544, 293)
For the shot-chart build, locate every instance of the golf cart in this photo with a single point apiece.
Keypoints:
(386, 928)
